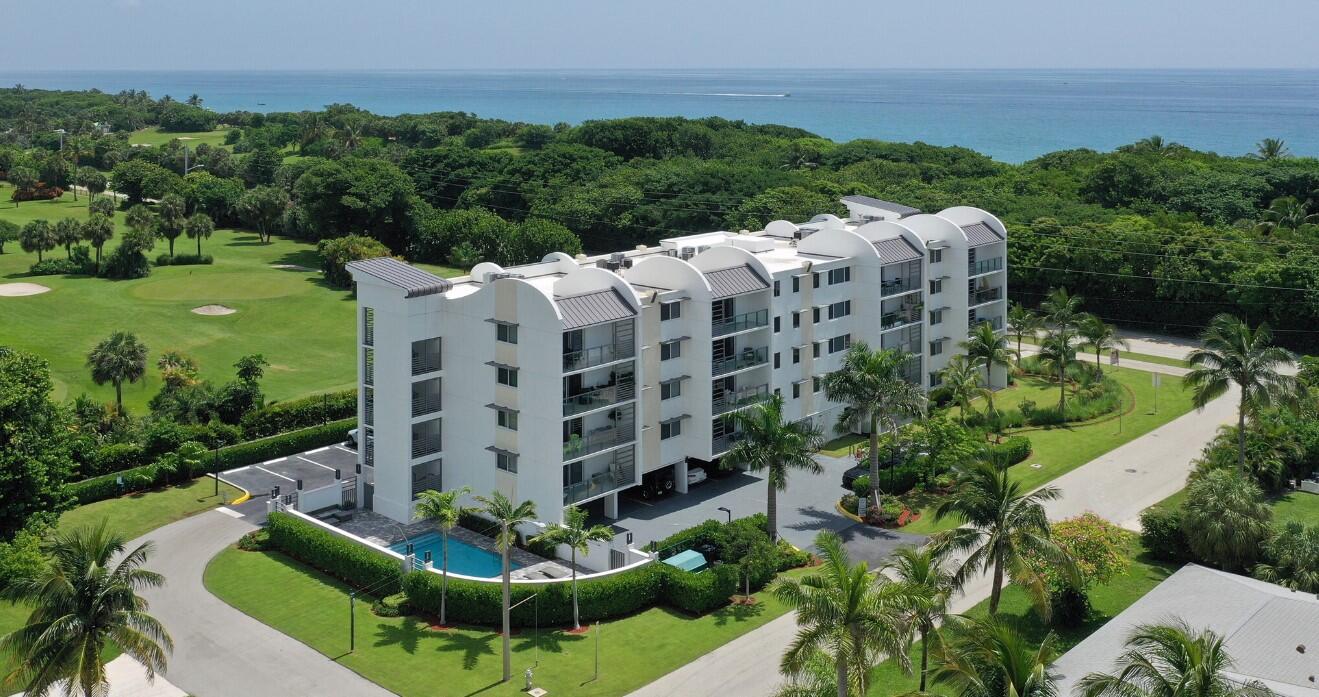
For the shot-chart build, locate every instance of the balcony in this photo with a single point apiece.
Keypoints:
(995, 322)
(425, 356)
(621, 473)
(601, 439)
(899, 318)
(740, 323)
(746, 358)
(722, 444)
(985, 295)
(984, 266)
(426, 475)
(426, 438)
(604, 396)
(893, 286)
(596, 355)
(731, 400)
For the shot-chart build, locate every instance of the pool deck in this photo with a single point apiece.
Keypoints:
(386, 533)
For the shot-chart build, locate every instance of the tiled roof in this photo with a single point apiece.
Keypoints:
(980, 234)
(593, 308)
(411, 279)
(735, 281)
(896, 249)
(882, 205)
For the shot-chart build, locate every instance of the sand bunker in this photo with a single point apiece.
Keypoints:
(18, 290)
(291, 267)
(213, 310)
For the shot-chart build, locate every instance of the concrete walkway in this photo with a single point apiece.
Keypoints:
(219, 651)
(1117, 485)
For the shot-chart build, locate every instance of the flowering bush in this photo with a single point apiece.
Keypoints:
(1097, 548)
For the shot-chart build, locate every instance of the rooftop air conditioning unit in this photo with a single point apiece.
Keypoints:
(627, 263)
(702, 248)
(687, 253)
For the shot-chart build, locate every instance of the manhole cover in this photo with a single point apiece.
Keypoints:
(1130, 471)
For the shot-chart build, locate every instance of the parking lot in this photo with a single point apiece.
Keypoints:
(315, 469)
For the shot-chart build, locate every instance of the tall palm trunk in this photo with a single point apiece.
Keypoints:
(874, 458)
(842, 674)
(997, 589)
(199, 245)
(119, 395)
(925, 655)
(1062, 387)
(444, 577)
(508, 654)
(772, 511)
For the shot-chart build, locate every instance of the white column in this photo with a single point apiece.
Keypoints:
(611, 506)
(680, 476)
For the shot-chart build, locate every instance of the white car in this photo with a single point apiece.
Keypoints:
(352, 438)
(696, 475)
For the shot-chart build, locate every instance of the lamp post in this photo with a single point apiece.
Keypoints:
(728, 511)
(61, 131)
(186, 168)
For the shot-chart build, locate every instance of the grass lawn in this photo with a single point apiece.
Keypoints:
(137, 514)
(842, 445)
(1299, 506)
(1059, 450)
(404, 656)
(303, 327)
(1128, 355)
(155, 136)
(1108, 600)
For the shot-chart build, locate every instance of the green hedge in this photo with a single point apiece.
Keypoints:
(1161, 533)
(299, 413)
(698, 593)
(1011, 451)
(358, 566)
(144, 477)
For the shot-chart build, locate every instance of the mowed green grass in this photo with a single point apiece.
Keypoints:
(1122, 354)
(1059, 450)
(155, 136)
(404, 656)
(1294, 506)
(304, 328)
(136, 514)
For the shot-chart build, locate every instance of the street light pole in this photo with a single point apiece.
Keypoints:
(729, 511)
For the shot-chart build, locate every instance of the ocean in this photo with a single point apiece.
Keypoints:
(1011, 115)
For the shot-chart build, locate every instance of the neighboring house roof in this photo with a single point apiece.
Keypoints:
(411, 279)
(882, 205)
(737, 280)
(979, 233)
(896, 249)
(593, 308)
(1262, 625)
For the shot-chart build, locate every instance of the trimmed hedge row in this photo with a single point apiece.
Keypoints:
(1011, 451)
(144, 477)
(184, 260)
(299, 413)
(479, 602)
(1161, 533)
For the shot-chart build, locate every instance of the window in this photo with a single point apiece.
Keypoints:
(796, 355)
(936, 286)
(507, 462)
(670, 350)
(778, 392)
(936, 316)
(936, 348)
(670, 389)
(936, 256)
(796, 284)
(840, 309)
(815, 315)
(507, 333)
(776, 288)
(776, 324)
(842, 275)
(815, 280)
(815, 349)
(507, 376)
(796, 390)
(796, 318)
(670, 429)
(840, 343)
(936, 379)
(507, 419)
(776, 359)
(816, 385)
(670, 310)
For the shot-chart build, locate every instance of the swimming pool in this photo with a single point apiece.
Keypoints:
(463, 558)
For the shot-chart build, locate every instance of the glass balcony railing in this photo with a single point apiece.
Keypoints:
(899, 318)
(893, 286)
(581, 446)
(976, 268)
(986, 295)
(740, 323)
(995, 322)
(599, 397)
(722, 444)
(746, 358)
(597, 484)
(596, 355)
(736, 399)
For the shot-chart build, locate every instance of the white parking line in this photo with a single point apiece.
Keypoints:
(318, 450)
(314, 462)
(347, 450)
(277, 474)
(271, 462)
(236, 469)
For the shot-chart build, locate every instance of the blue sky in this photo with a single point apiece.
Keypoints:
(610, 34)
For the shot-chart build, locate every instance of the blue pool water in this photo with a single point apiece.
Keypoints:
(463, 558)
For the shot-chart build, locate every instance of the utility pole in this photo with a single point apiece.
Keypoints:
(215, 449)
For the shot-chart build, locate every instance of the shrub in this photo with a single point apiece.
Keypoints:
(1225, 519)
(117, 457)
(336, 253)
(1069, 606)
(1011, 451)
(184, 260)
(698, 593)
(60, 267)
(21, 557)
(394, 605)
(1161, 533)
(343, 559)
(861, 486)
(108, 486)
(255, 541)
(299, 413)
(125, 262)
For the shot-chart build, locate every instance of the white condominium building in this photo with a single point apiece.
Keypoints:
(570, 380)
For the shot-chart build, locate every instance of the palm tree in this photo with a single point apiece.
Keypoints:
(140, 219)
(508, 517)
(1101, 337)
(1271, 149)
(1171, 660)
(928, 587)
(962, 379)
(1285, 213)
(84, 597)
(1058, 350)
(199, 226)
(442, 509)
(989, 349)
(988, 658)
(1023, 322)
(846, 612)
(171, 217)
(817, 677)
(1062, 310)
(117, 359)
(1293, 554)
(68, 232)
(1002, 527)
(97, 231)
(575, 533)
(871, 385)
(776, 446)
(37, 236)
(1230, 352)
